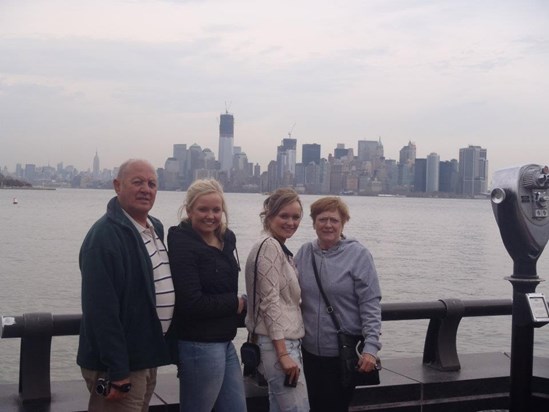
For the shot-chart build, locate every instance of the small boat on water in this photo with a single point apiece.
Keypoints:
(15, 201)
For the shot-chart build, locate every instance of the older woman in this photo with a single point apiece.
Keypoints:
(205, 276)
(274, 317)
(349, 278)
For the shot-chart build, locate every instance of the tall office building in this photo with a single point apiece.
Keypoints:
(195, 161)
(406, 164)
(432, 173)
(180, 151)
(95, 170)
(370, 151)
(310, 153)
(340, 151)
(448, 176)
(285, 161)
(473, 170)
(29, 172)
(170, 177)
(420, 174)
(180, 154)
(226, 142)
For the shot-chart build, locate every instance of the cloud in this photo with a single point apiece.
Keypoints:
(114, 73)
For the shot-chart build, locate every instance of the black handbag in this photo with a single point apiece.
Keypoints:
(250, 354)
(350, 348)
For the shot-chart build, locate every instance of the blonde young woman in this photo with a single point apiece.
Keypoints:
(205, 275)
(276, 320)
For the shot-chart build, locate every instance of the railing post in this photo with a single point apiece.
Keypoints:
(440, 350)
(34, 364)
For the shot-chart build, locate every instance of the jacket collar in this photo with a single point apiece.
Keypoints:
(115, 212)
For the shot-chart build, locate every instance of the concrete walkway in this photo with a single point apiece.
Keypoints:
(407, 385)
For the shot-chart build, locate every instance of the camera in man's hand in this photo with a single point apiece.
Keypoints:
(103, 386)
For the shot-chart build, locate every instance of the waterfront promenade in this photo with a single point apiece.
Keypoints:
(441, 380)
(407, 385)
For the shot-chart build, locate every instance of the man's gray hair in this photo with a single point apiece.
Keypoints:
(124, 166)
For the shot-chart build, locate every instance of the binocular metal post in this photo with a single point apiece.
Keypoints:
(520, 204)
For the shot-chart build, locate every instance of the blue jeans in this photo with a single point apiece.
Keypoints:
(210, 377)
(282, 398)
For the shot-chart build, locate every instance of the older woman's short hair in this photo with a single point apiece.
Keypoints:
(330, 204)
(279, 199)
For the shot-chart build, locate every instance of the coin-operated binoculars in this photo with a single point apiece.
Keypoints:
(520, 201)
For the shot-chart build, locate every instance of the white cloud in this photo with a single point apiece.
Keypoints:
(143, 75)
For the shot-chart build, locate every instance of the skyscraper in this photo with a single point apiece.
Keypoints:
(370, 151)
(432, 173)
(180, 154)
(406, 164)
(473, 170)
(95, 170)
(226, 142)
(448, 176)
(340, 151)
(420, 173)
(310, 153)
(285, 160)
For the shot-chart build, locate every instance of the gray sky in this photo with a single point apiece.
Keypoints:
(132, 77)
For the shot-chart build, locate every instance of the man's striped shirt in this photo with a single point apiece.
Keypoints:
(163, 284)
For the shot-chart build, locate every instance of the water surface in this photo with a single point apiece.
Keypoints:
(424, 249)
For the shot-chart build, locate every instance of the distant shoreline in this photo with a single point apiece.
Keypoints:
(26, 188)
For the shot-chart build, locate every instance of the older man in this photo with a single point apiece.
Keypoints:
(127, 296)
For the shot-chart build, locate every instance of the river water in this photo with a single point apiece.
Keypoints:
(424, 250)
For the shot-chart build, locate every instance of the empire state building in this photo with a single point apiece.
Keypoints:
(95, 170)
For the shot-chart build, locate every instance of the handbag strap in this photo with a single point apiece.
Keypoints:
(255, 284)
(329, 307)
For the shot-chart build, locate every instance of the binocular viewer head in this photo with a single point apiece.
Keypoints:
(520, 202)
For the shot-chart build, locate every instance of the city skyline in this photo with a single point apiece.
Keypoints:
(368, 172)
(97, 156)
(78, 76)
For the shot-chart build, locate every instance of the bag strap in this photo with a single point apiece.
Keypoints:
(329, 307)
(255, 285)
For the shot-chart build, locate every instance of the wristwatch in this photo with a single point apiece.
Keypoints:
(122, 388)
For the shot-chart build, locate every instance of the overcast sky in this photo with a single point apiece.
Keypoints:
(132, 77)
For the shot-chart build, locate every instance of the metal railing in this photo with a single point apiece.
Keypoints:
(440, 352)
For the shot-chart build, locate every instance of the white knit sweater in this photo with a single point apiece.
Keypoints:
(278, 293)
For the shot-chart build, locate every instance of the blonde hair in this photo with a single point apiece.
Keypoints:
(203, 187)
(330, 204)
(279, 199)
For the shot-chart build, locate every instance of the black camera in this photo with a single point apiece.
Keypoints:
(103, 386)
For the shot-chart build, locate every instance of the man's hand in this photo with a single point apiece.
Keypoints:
(115, 394)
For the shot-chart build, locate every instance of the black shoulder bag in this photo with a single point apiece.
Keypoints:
(350, 347)
(249, 351)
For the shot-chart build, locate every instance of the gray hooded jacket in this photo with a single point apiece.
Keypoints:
(349, 278)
